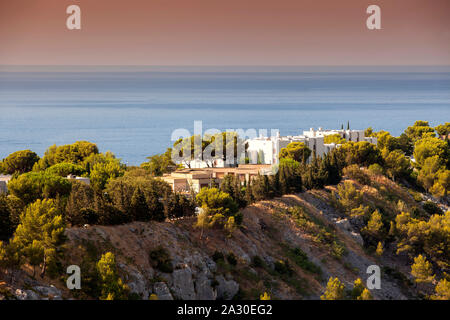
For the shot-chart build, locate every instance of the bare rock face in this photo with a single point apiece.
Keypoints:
(226, 289)
(136, 281)
(183, 285)
(50, 292)
(162, 291)
(204, 289)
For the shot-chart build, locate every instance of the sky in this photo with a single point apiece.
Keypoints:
(231, 32)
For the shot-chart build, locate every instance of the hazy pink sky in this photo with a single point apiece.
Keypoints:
(219, 32)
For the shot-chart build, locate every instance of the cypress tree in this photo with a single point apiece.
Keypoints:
(139, 208)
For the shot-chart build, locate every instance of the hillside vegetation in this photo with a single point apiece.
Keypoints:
(310, 231)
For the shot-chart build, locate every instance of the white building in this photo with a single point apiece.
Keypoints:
(4, 179)
(266, 150)
(80, 179)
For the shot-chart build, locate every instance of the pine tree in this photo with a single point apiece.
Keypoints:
(422, 270)
(275, 185)
(442, 290)
(203, 220)
(249, 199)
(380, 249)
(264, 296)
(112, 287)
(375, 225)
(365, 295)
(334, 290)
(139, 208)
(40, 231)
(230, 226)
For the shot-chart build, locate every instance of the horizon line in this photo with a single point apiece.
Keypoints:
(225, 68)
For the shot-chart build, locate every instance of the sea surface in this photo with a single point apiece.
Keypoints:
(133, 114)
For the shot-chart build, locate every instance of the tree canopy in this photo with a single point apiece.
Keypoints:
(19, 162)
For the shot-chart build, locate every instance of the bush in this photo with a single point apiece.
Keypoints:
(355, 173)
(432, 208)
(217, 256)
(160, 259)
(283, 267)
(376, 169)
(231, 258)
(301, 259)
(257, 262)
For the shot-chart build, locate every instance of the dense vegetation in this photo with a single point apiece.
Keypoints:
(42, 202)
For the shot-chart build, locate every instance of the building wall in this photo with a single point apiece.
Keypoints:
(3, 187)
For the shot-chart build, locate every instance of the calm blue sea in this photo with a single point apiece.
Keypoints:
(134, 113)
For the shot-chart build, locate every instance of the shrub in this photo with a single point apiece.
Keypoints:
(231, 258)
(217, 256)
(355, 173)
(376, 169)
(301, 259)
(160, 259)
(432, 208)
(283, 267)
(257, 262)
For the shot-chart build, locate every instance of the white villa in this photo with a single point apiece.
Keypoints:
(266, 150)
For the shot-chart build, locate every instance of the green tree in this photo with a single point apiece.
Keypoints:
(74, 153)
(375, 225)
(230, 226)
(139, 208)
(120, 191)
(290, 176)
(80, 207)
(422, 270)
(203, 220)
(112, 287)
(40, 232)
(444, 181)
(102, 172)
(297, 151)
(429, 171)
(63, 169)
(39, 185)
(349, 197)
(362, 153)
(442, 290)
(428, 147)
(217, 202)
(443, 130)
(19, 162)
(334, 290)
(231, 185)
(6, 225)
(359, 291)
(380, 249)
(264, 296)
(396, 164)
(419, 130)
(178, 205)
(160, 163)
